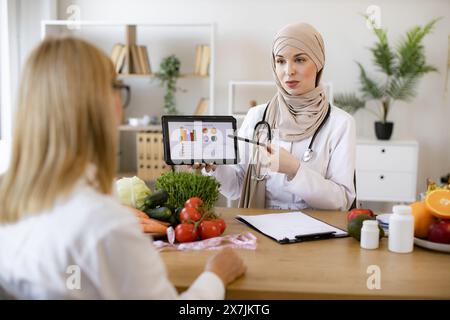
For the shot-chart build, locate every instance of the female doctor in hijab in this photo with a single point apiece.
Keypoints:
(310, 159)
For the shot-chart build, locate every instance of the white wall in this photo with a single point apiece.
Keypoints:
(20, 32)
(243, 43)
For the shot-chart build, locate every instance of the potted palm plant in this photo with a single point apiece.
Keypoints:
(401, 69)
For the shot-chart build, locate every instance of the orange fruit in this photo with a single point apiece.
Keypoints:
(423, 218)
(438, 201)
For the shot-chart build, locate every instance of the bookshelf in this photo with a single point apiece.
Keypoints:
(107, 33)
(161, 40)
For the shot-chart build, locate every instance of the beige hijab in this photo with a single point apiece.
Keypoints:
(296, 117)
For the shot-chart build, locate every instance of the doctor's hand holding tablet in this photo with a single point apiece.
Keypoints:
(277, 158)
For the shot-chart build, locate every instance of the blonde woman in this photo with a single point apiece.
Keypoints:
(57, 216)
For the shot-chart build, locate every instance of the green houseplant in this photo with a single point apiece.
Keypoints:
(401, 69)
(168, 76)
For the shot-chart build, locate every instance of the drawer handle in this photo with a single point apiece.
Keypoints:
(381, 177)
(383, 150)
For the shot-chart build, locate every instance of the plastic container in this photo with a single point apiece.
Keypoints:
(370, 234)
(133, 122)
(401, 230)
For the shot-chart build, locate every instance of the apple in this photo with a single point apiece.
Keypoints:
(357, 212)
(439, 231)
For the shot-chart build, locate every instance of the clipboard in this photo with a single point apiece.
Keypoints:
(291, 227)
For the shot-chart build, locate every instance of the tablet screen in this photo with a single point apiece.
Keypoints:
(189, 139)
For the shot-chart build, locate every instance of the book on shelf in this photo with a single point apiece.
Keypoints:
(202, 60)
(206, 55)
(116, 51)
(139, 62)
(202, 107)
(118, 56)
(136, 67)
(198, 58)
(145, 61)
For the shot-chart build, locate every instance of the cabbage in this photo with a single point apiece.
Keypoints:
(132, 192)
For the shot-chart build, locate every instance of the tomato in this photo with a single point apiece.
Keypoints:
(194, 202)
(189, 213)
(221, 223)
(359, 211)
(209, 229)
(184, 232)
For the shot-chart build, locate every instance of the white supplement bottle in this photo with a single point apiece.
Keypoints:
(370, 234)
(401, 230)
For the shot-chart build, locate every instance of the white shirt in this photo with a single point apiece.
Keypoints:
(103, 240)
(324, 182)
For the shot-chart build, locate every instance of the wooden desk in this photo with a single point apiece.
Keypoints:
(324, 269)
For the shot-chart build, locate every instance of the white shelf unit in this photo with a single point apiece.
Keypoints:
(233, 84)
(180, 39)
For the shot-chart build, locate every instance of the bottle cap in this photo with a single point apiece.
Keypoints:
(402, 210)
(371, 224)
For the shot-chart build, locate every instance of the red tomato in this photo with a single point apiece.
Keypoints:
(184, 232)
(359, 211)
(194, 202)
(221, 223)
(189, 213)
(209, 229)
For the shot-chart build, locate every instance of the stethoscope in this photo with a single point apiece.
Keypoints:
(308, 154)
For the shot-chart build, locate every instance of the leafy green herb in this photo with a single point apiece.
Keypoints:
(183, 185)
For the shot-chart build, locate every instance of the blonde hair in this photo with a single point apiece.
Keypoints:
(64, 121)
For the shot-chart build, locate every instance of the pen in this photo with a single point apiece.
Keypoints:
(315, 236)
(248, 140)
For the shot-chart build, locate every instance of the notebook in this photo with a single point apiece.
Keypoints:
(291, 227)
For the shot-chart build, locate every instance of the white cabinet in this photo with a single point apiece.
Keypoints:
(386, 170)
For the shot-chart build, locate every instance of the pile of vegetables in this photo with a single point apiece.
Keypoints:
(178, 202)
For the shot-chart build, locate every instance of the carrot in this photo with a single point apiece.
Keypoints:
(152, 226)
(144, 220)
(138, 213)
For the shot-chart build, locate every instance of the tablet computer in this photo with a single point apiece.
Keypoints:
(202, 139)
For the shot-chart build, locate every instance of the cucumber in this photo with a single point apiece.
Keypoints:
(175, 218)
(177, 213)
(157, 198)
(161, 213)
